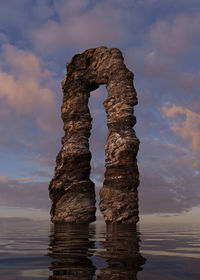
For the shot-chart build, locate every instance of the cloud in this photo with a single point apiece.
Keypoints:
(160, 47)
(17, 8)
(189, 160)
(70, 8)
(185, 123)
(29, 106)
(171, 183)
(168, 46)
(190, 81)
(83, 24)
(157, 195)
(165, 68)
(21, 85)
(176, 37)
(23, 192)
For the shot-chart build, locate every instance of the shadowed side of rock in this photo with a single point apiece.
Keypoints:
(71, 190)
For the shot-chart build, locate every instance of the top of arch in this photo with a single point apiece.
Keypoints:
(96, 66)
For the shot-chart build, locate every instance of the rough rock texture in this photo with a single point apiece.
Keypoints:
(71, 190)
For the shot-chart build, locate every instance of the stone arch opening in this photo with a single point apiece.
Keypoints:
(97, 139)
(71, 190)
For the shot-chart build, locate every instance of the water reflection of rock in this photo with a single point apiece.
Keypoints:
(69, 246)
(121, 251)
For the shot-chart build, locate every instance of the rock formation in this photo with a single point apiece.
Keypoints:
(71, 190)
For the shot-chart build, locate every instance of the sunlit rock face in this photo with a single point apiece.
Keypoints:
(71, 190)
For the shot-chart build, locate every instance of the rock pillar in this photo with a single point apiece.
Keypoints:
(71, 190)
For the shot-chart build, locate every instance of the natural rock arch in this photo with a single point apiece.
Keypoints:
(71, 190)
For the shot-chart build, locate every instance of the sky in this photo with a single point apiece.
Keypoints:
(160, 43)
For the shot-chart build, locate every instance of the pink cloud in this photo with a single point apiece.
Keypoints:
(189, 160)
(188, 127)
(24, 85)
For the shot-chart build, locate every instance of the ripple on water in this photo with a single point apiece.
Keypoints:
(38, 250)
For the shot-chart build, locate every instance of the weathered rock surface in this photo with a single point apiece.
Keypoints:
(71, 190)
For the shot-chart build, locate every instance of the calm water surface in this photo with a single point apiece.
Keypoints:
(37, 250)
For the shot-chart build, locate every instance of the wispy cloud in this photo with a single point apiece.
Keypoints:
(22, 84)
(169, 179)
(29, 104)
(23, 192)
(185, 123)
(84, 24)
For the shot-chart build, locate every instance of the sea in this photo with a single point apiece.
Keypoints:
(34, 249)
